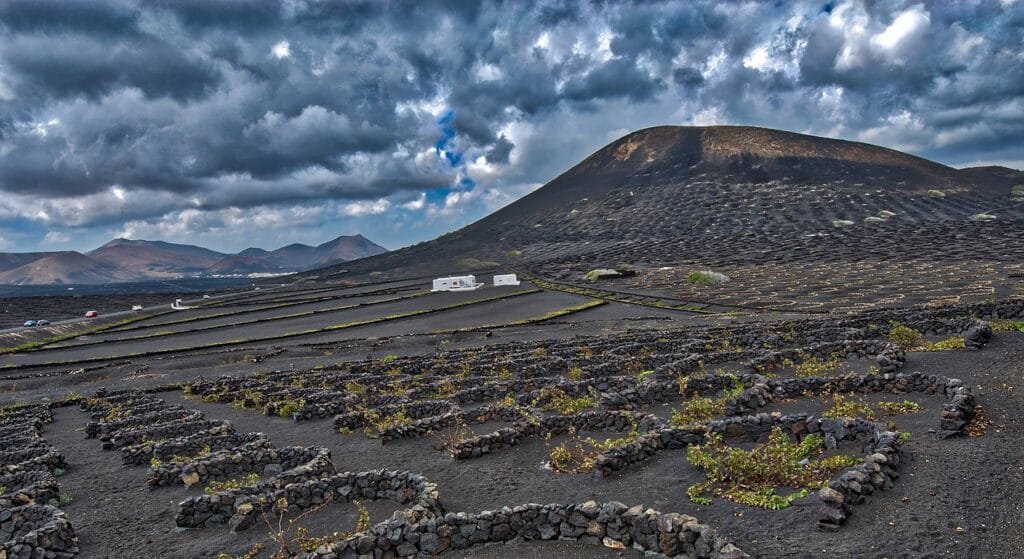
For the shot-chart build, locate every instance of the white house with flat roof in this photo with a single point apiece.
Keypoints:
(505, 279)
(456, 283)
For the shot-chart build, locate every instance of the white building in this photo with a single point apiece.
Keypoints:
(456, 283)
(505, 279)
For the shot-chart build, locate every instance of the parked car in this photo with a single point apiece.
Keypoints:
(42, 322)
(30, 323)
(91, 314)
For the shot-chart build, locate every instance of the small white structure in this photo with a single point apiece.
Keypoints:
(505, 279)
(178, 306)
(136, 307)
(456, 283)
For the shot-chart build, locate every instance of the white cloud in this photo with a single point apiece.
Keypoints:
(363, 208)
(416, 204)
(56, 238)
(908, 25)
(281, 50)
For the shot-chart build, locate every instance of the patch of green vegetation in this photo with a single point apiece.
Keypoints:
(559, 401)
(580, 457)
(841, 223)
(246, 480)
(886, 214)
(706, 277)
(949, 344)
(560, 313)
(1008, 326)
(983, 217)
(752, 477)
(377, 424)
(904, 336)
(873, 219)
(934, 193)
(816, 367)
(696, 410)
(899, 408)
(843, 406)
(288, 407)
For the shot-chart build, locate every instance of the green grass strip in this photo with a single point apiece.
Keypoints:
(257, 321)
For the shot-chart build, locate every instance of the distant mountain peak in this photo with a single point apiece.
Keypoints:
(123, 259)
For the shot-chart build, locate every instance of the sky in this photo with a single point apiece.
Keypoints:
(232, 124)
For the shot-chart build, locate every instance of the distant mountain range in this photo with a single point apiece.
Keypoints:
(123, 260)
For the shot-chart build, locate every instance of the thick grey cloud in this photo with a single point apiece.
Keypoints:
(400, 111)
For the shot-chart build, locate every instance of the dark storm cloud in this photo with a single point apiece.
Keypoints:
(207, 105)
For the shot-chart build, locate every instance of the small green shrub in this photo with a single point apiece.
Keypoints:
(752, 477)
(696, 410)
(904, 336)
(246, 480)
(949, 344)
(816, 367)
(564, 404)
(899, 408)
(706, 277)
(843, 406)
(1008, 326)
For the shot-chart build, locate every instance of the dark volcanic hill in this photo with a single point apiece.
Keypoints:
(298, 256)
(63, 268)
(241, 265)
(12, 260)
(346, 248)
(155, 258)
(755, 202)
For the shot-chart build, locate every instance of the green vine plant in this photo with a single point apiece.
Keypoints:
(246, 480)
(559, 401)
(699, 409)
(287, 538)
(579, 456)
(754, 477)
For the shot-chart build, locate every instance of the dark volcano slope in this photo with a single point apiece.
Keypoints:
(754, 203)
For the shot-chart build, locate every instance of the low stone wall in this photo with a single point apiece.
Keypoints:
(173, 429)
(436, 423)
(955, 415)
(875, 473)
(258, 456)
(36, 531)
(94, 429)
(611, 524)
(415, 410)
(29, 487)
(240, 507)
(45, 458)
(218, 438)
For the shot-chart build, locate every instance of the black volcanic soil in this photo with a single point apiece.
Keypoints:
(955, 498)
